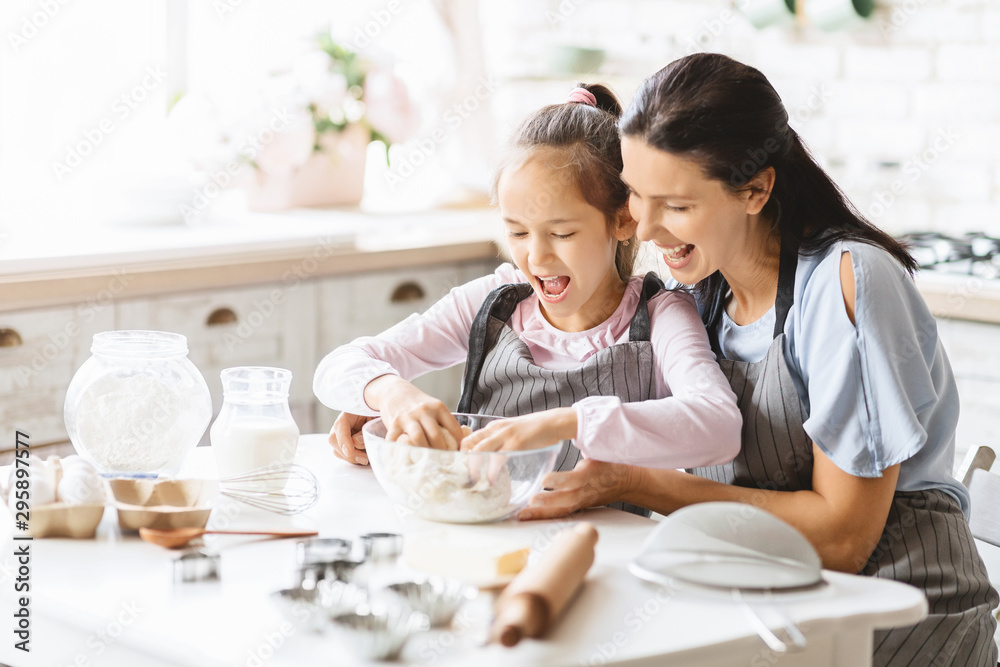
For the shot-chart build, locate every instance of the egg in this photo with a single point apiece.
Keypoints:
(36, 468)
(42, 493)
(78, 487)
(77, 462)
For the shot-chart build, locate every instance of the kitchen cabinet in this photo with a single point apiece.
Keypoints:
(40, 350)
(266, 325)
(289, 323)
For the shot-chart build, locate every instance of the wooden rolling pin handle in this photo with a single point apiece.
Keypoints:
(523, 615)
(536, 597)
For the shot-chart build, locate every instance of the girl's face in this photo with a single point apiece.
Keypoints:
(562, 244)
(695, 222)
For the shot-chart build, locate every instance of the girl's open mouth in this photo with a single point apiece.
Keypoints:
(553, 287)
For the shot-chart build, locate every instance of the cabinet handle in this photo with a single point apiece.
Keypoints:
(221, 316)
(406, 292)
(10, 338)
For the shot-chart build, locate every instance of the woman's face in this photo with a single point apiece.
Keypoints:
(695, 222)
(562, 244)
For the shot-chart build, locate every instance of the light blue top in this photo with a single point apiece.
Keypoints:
(878, 392)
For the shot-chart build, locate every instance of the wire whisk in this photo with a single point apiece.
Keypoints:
(283, 489)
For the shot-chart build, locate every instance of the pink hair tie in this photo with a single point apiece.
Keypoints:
(583, 96)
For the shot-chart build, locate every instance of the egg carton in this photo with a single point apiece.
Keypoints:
(163, 504)
(66, 498)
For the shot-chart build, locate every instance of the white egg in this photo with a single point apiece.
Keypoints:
(42, 493)
(78, 488)
(77, 462)
(36, 468)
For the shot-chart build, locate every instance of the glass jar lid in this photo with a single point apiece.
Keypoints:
(136, 344)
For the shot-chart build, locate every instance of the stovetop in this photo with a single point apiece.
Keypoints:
(974, 254)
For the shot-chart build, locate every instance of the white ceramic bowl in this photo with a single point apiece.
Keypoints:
(457, 487)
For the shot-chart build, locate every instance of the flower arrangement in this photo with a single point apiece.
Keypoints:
(360, 94)
(303, 140)
(349, 102)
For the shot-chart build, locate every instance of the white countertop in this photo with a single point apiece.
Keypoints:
(110, 601)
(49, 246)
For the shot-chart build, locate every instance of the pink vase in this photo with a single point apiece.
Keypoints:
(332, 176)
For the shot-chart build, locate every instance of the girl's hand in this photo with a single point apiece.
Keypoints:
(533, 431)
(406, 411)
(347, 440)
(590, 484)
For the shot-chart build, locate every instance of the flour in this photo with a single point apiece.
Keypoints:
(140, 423)
(451, 487)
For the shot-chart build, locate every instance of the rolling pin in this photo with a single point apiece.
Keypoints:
(533, 601)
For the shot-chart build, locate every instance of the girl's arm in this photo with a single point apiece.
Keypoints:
(436, 339)
(695, 420)
(843, 516)
(365, 378)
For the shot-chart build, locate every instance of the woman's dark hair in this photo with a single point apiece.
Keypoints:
(582, 142)
(728, 118)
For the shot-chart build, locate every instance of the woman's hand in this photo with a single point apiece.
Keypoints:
(347, 440)
(590, 484)
(533, 431)
(405, 410)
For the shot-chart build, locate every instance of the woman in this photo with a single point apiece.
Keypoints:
(848, 400)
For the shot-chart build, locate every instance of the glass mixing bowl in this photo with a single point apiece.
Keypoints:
(457, 487)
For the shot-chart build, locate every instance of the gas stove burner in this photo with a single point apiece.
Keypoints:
(975, 253)
(982, 245)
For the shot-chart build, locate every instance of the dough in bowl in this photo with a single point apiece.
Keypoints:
(450, 486)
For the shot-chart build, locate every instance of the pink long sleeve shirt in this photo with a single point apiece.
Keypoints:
(693, 421)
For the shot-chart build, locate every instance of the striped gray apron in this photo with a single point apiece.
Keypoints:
(926, 541)
(501, 377)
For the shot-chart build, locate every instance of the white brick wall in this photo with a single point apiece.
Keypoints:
(886, 63)
(917, 67)
(965, 62)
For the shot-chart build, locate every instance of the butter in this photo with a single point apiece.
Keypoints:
(470, 557)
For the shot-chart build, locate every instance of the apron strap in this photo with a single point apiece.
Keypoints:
(787, 263)
(499, 304)
(788, 260)
(639, 328)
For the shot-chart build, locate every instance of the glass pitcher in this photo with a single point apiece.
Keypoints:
(254, 432)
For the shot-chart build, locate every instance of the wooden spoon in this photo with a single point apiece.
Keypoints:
(178, 537)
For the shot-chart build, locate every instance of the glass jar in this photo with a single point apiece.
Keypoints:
(138, 405)
(254, 429)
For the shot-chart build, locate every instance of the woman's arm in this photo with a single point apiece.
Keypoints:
(843, 516)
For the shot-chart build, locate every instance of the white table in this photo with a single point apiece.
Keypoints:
(111, 601)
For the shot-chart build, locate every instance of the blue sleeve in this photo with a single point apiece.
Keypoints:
(867, 383)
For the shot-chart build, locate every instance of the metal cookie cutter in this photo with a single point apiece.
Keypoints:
(322, 550)
(382, 548)
(196, 565)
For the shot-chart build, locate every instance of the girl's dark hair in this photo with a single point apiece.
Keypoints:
(728, 118)
(582, 143)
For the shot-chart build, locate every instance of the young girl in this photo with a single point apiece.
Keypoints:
(566, 342)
